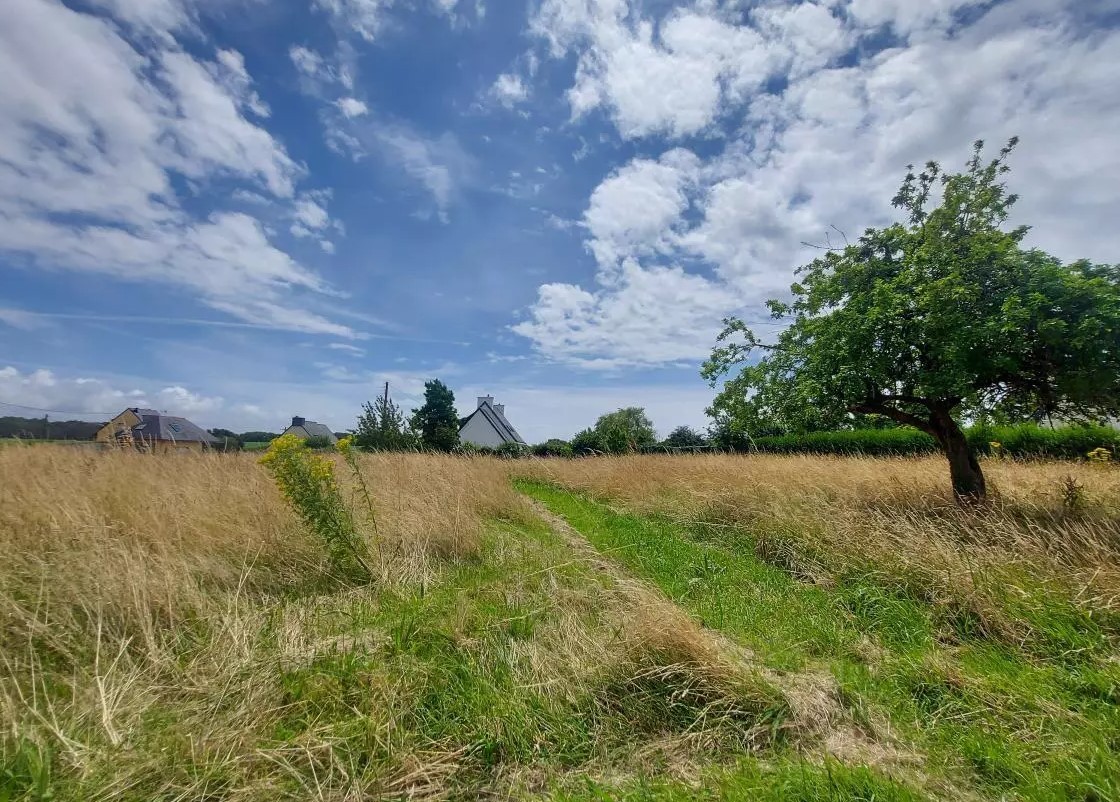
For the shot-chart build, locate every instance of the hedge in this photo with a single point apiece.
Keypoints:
(1028, 440)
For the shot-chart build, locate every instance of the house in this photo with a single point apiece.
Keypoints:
(487, 425)
(304, 429)
(152, 431)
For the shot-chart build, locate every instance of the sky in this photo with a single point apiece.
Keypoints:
(240, 210)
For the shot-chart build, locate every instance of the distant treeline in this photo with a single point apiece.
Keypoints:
(1025, 440)
(45, 429)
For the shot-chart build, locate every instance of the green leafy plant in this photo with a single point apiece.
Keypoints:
(308, 482)
(319, 442)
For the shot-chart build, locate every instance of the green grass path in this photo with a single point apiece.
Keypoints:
(1007, 724)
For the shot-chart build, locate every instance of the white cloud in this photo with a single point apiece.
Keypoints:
(86, 397)
(634, 211)
(679, 76)
(368, 18)
(364, 17)
(353, 350)
(92, 130)
(827, 148)
(351, 107)
(509, 90)
(311, 213)
(649, 316)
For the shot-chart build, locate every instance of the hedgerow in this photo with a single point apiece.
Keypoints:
(1065, 442)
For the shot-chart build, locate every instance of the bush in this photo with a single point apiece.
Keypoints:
(1026, 440)
(553, 448)
(511, 450)
(319, 442)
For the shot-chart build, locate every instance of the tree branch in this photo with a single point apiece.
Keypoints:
(897, 415)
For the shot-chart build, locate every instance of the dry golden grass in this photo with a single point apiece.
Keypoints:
(132, 584)
(157, 612)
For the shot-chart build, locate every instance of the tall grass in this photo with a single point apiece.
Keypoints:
(170, 628)
(1050, 542)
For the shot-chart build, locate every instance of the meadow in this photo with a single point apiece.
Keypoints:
(648, 627)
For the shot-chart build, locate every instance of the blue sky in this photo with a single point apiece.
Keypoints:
(240, 210)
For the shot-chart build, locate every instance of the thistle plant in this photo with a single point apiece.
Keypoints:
(308, 482)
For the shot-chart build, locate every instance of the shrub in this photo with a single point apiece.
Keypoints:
(319, 442)
(307, 481)
(511, 450)
(553, 448)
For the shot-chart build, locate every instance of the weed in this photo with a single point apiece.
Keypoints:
(307, 480)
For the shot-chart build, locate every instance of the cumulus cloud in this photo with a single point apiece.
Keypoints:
(83, 396)
(817, 154)
(93, 129)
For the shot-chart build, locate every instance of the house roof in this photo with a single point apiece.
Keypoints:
(156, 426)
(310, 428)
(497, 420)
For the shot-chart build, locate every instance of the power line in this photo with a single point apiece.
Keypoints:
(53, 411)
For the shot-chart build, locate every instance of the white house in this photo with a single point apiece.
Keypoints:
(487, 425)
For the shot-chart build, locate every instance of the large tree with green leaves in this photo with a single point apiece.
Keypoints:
(940, 316)
(624, 430)
(436, 421)
(685, 437)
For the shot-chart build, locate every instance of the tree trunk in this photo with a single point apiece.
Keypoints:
(969, 487)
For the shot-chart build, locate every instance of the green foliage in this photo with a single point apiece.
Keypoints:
(307, 481)
(685, 437)
(257, 437)
(587, 441)
(553, 448)
(511, 450)
(319, 442)
(228, 441)
(436, 421)
(45, 429)
(620, 432)
(919, 321)
(1026, 440)
(382, 427)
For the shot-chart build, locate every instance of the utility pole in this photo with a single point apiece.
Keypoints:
(386, 396)
(46, 426)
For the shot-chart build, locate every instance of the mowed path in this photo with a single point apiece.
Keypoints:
(726, 606)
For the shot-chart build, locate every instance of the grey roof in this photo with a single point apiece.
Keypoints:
(312, 429)
(498, 420)
(156, 426)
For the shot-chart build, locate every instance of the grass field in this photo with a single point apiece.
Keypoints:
(767, 627)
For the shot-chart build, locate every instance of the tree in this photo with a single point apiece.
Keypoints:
(229, 440)
(257, 437)
(382, 427)
(685, 437)
(941, 316)
(587, 441)
(436, 421)
(624, 430)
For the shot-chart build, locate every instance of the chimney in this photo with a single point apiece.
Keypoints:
(485, 399)
(500, 409)
(298, 421)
